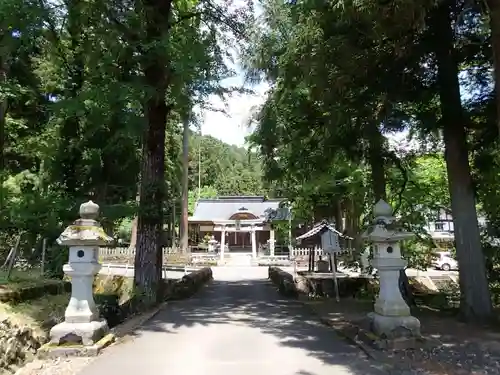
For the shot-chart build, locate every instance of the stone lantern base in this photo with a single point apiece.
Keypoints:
(397, 332)
(86, 334)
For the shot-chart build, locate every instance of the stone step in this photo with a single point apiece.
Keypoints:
(238, 260)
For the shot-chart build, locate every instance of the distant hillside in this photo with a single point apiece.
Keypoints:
(228, 169)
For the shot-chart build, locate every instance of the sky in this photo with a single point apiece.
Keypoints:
(232, 127)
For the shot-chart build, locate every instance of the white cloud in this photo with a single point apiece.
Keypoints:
(231, 127)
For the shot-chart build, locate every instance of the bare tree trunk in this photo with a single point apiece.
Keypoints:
(185, 171)
(69, 152)
(376, 160)
(174, 216)
(494, 13)
(3, 120)
(476, 299)
(340, 227)
(379, 184)
(133, 234)
(148, 256)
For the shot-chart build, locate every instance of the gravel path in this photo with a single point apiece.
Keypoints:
(60, 366)
(470, 356)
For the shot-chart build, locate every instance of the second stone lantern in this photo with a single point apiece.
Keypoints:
(391, 317)
(82, 323)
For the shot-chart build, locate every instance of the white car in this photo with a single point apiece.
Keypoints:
(445, 261)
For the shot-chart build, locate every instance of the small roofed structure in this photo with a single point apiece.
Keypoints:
(320, 228)
(330, 244)
(328, 233)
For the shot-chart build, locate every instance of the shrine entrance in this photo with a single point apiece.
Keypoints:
(239, 241)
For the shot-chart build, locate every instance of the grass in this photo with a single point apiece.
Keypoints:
(38, 314)
(42, 313)
(20, 278)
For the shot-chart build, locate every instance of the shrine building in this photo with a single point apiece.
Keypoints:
(242, 224)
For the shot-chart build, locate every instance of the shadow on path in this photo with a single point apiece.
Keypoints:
(237, 326)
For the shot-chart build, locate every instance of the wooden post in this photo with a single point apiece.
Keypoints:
(184, 205)
(13, 258)
(335, 282)
(44, 249)
(309, 268)
(313, 260)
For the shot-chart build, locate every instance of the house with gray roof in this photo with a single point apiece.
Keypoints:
(239, 223)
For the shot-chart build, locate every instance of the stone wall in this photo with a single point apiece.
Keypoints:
(188, 285)
(283, 281)
(115, 298)
(349, 287)
(320, 287)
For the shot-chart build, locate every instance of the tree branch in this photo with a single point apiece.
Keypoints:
(132, 37)
(392, 156)
(53, 32)
(184, 17)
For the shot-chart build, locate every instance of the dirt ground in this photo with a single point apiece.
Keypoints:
(463, 349)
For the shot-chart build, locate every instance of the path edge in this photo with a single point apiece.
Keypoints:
(124, 329)
(349, 332)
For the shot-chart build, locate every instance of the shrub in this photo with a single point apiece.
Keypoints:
(56, 257)
(109, 308)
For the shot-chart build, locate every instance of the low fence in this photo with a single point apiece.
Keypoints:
(173, 256)
(304, 252)
(126, 252)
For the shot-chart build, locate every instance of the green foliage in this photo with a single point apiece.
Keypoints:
(22, 292)
(124, 230)
(204, 192)
(56, 257)
(281, 232)
(230, 170)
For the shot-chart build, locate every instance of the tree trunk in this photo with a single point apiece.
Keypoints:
(476, 300)
(3, 120)
(494, 13)
(340, 227)
(379, 185)
(69, 152)
(376, 160)
(148, 256)
(133, 231)
(174, 216)
(185, 172)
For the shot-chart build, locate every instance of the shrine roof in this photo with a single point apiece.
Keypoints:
(223, 208)
(319, 228)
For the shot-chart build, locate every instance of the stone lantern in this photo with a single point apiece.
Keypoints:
(272, 245)
(211, 244)
(82, 324)
(391, 318)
